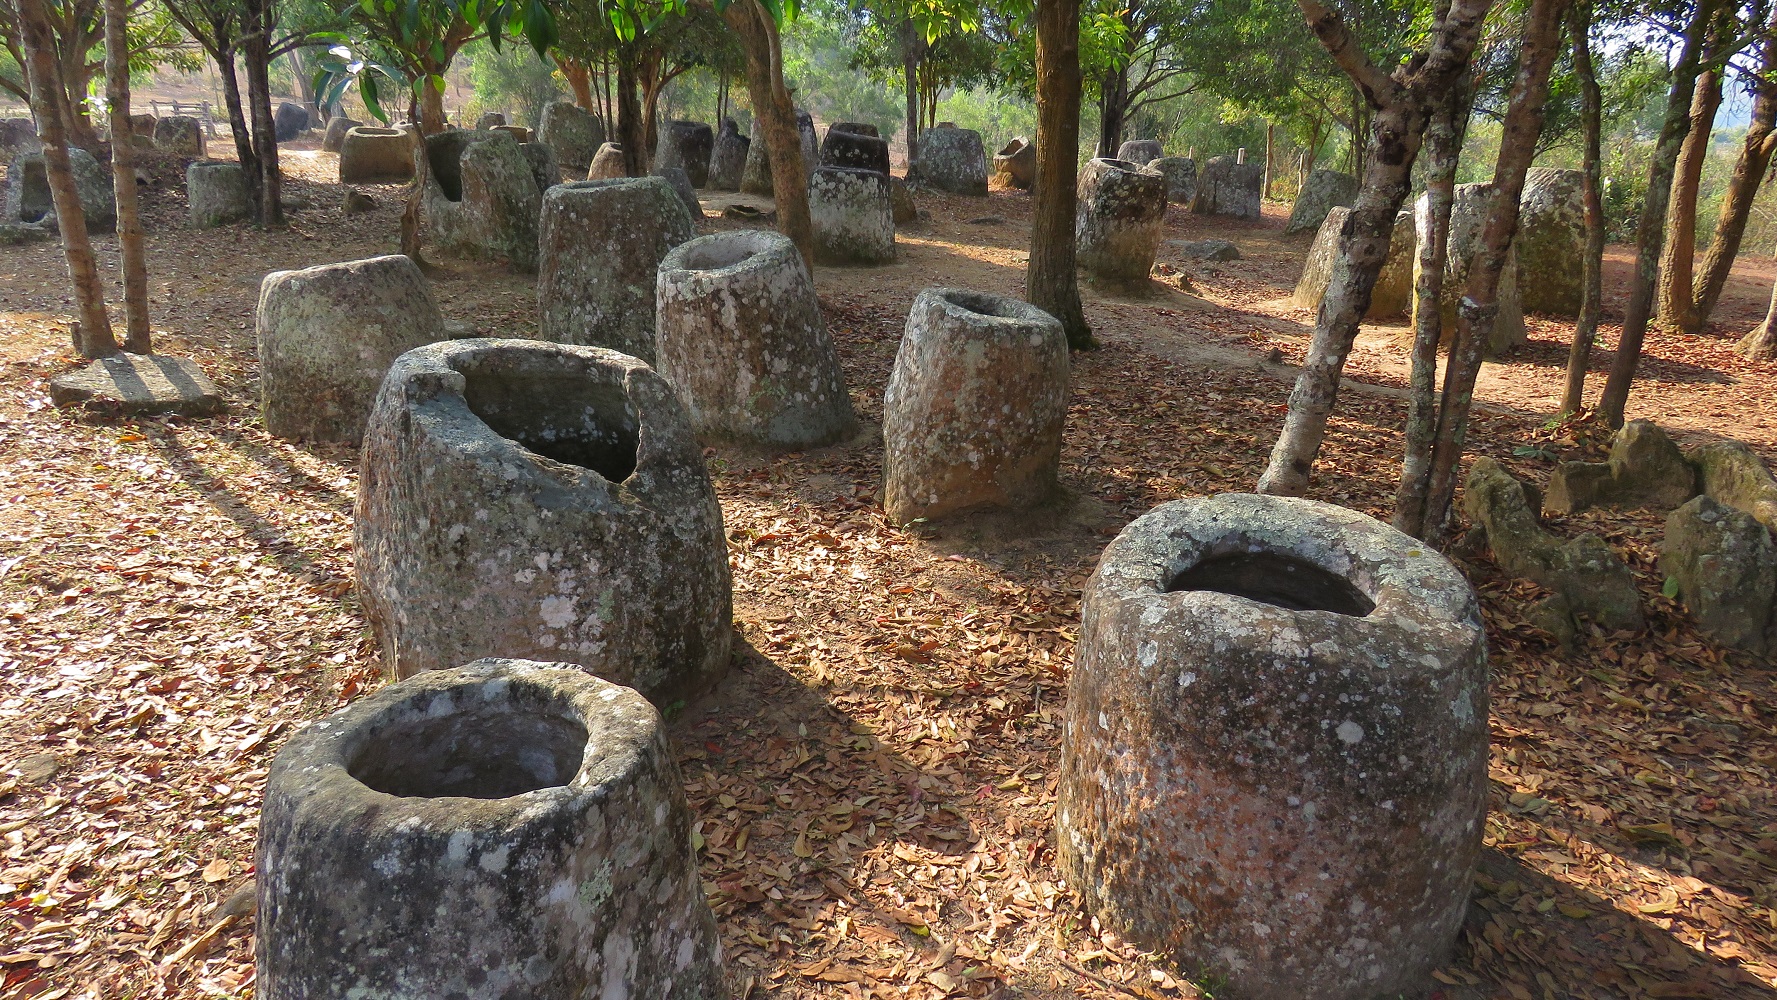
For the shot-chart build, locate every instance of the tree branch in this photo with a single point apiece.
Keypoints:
(1378, 88)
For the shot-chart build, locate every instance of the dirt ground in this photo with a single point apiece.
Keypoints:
(873, 783)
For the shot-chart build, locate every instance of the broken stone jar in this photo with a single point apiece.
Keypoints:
(521, 498)
(1117, 221)
(1274, 768)
(505, 829)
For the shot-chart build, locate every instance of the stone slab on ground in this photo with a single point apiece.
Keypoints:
(140, 384)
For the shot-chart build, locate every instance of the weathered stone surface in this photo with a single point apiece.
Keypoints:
(739, 334)
(602, 245)
(1645, 470)
(681, 185)
(545, 170)
(140, 384)
(335, 137)
(1142, 151)
(326, 336)
(811, 143)
(180, 136)
(854, 216)
(1584, 570)
(952, 159)
(1274, 769)
(1554, 615)
(573, 132)
(1551, 241)
(545, 500)
(1394, 286)
(21, 133)
(216, 194)
(1181, 177)
(755, 175)
(1228, 188)
(141, 126)
(975, 406)
(505, 829)
(1731, 473)
(1211, 249)
(1726, 568)
(1467, 216)
(1016, 164)
(481, 198)
(902, 200)
(729, 157)
(28, 198)
(356, 202)
(489, 119)
(687, 145)
(519, 133)
(1117, 220)
(290, 121)
(607, 163)
(1324, 191)
(857, 145)
(369, 155)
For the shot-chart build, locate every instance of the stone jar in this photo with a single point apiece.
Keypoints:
(489, 119)
(370, 155)
(1141, 150)
(1468, 216)
(952, 159)
(1324, 191)
(1551, 243)
(335, 136)
(1393, 292)
(1181, 177)
(1016, 164)
(28, 198)
(573, 132)
(519, 133)
(290, 121)
(535, 499)
(602, 244)
(755, 175)
(975, 406)
(729, 157)
(1117, 221)
(854, 216)
(1274, 768)
(681, 185)
(180, 135)
(739, 334)
(856, 145)
(811, 143)
(326, 336)
(481, 196)
(1225, 187)
(607, 163)
(216, 194)
(686, 145)
(500, 830)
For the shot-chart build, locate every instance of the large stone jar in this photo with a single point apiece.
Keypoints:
(503, 830)
(608, 163)
(1016, 164)
(1141, 150)
(180, 135)
(1181, 177)
(216, 194)
(1274, 768)
(1551, 243)
(975, 406)
(28, 198)
(1393, 291)
(855, 144)
(602, 244)
(481, 197)
(687, 145)
(335, 136)
(547, 500)
(854, 216)
(755, 175)
(1324, 191)
(952, 159)
(1227, 187)
(328, 334)
(739, 334)
(729, 157)
(1117, 220)
(573, 132)
(369, 155)
(1468, 216)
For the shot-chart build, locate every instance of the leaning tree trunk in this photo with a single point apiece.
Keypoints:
(776, 112)
(1443, 151)
(137, 339)
(579, 78)
(1756, 150)
(1402, 110)
(92, 332)
(1650, 233)
(1479, 309)
(1050, 282)
(1761, 343)
(256, 28)
(243, 136)
(1585, 328)
(1678, 262)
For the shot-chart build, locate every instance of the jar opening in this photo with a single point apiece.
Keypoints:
(1279, 580)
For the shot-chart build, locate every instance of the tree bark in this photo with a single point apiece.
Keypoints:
(1678, 262)
(579, 79)
(432, 119)
(1585, 328)
(257, 25)
(1443, 144)
(913, 48)
(1402, 109)
(1756, 150)
(137, 339)
(1050, 281)
(1761, 343)
(1113, 104)
(1479, 308)
(1651, 229)
(776, 112)
(630, 132)
(243, 136)
(92, 334)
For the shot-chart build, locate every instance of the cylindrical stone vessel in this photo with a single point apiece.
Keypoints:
(1117, 221)
(687, 145)
(855, 144)
(216, 194)
(975, 406)
(545, 500)
(335, 136)
(1274, 768)
(739, 334)
(370, 155)
(729, 158)
(854, 216)
(601, 244)
(508, 829)
(1141, 150)
(607, 163)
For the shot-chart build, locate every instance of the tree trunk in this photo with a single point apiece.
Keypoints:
(1113, 105)
(1650, 234)
(92, 333)
(1761, 343)
(243, 136)
(579, 78)
(630, 132)
(137, 340)
(257, 24)
(1397, 126)
(305, 89)
(1585, 328)
(652, 81)
(73, 76)
(1270, 143)
(1479, 308)
(1736, 205)
(1443, 151)
(431, 98)
(1678, 263)
(913, 48)
(1050, 282)
(776, 112)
